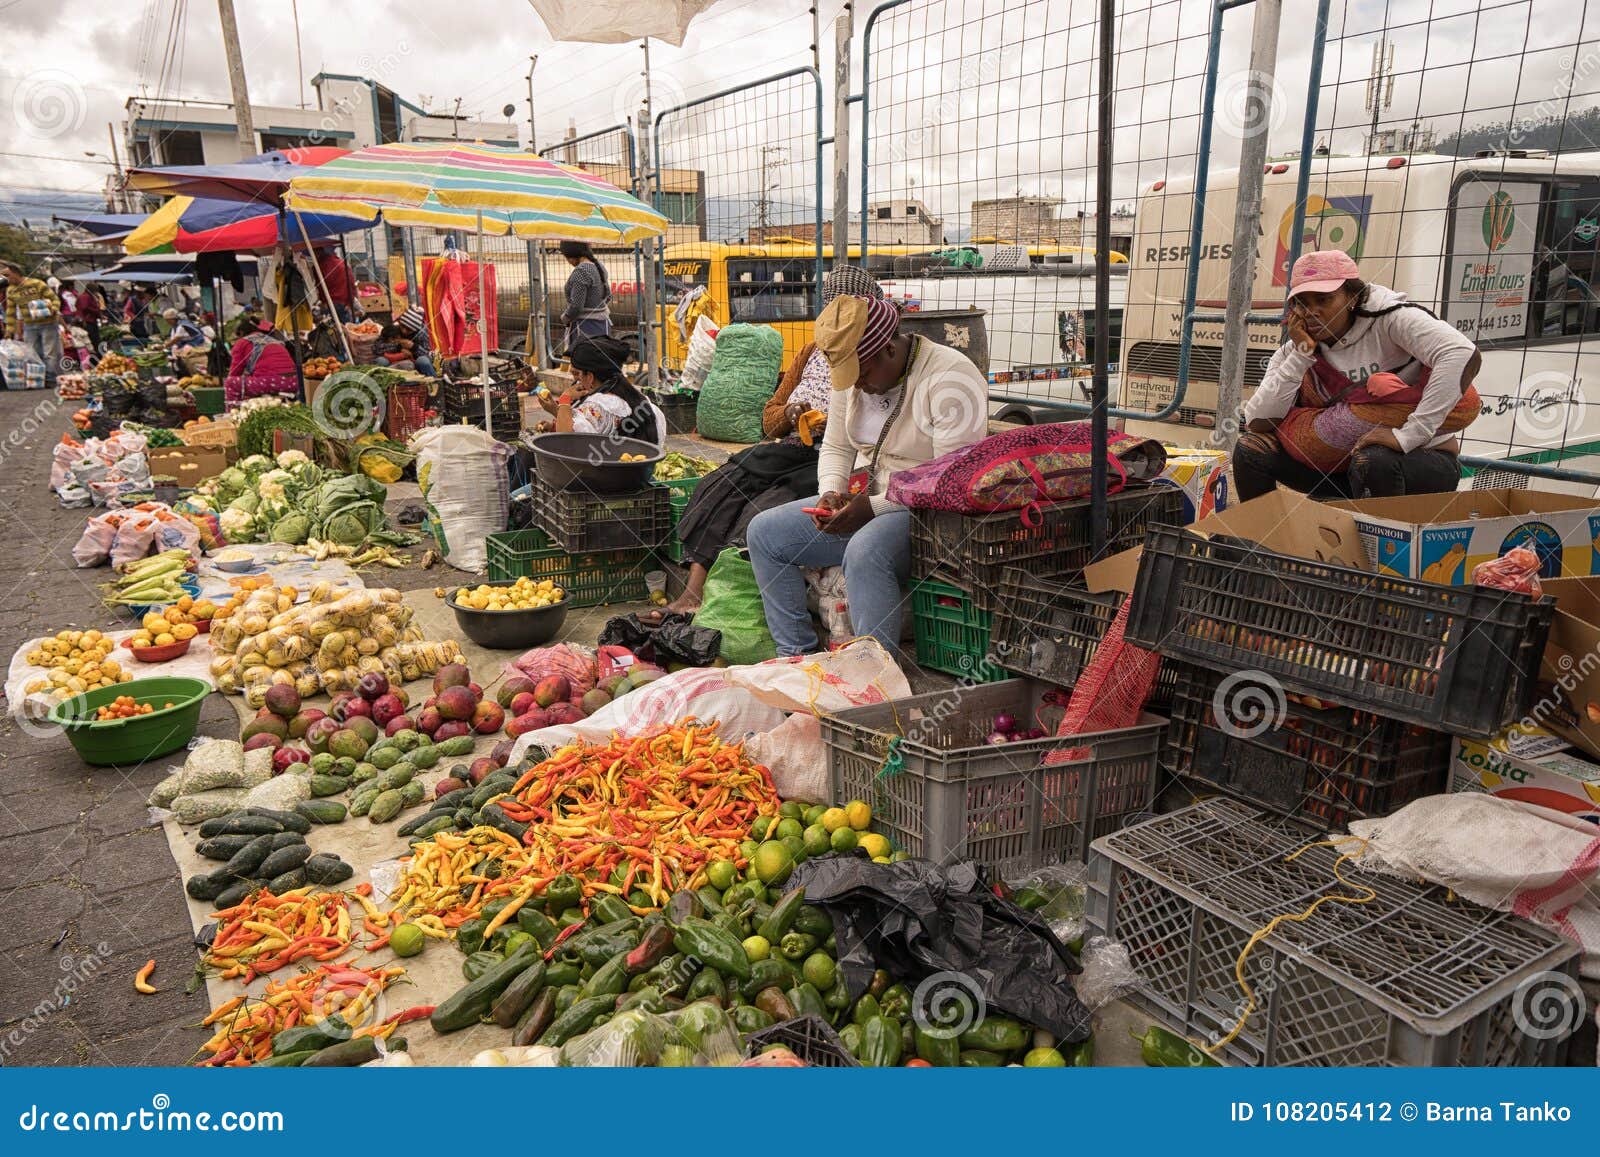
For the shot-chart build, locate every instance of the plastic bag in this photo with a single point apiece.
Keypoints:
(702, 352)
(855, 675)
(94, 546)
(75, 497)
(744, 372)
(964, 950)
(1517, 570)
(61, 462)
(1108, 972)
(17, 363)
(797, 758)
(1065, 889)
(575, 663)
(826, 594)
(674, 640)
(732, 604)
(462, 472)
(280, 793)
(700, 1035)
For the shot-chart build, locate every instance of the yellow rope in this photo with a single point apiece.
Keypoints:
(1296, 917)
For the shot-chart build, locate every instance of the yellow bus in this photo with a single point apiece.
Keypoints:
(775, 283)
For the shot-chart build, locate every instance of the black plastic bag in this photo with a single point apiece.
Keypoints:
(675, 640)
(964, 950)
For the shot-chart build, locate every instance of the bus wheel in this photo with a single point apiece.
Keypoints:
(1016, 414)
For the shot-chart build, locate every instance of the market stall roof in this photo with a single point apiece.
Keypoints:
(106, 226)
(619, 21)
(262, 179)
(155, 267)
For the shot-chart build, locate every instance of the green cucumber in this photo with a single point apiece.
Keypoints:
(469, 1004)
(322, 811)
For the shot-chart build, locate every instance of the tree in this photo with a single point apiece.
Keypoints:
(14, 245)
(1574, 132)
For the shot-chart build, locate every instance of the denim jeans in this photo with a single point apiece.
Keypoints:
(45, 342)
(876, 561)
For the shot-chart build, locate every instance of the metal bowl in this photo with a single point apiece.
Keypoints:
(508, 630)
(591, 462)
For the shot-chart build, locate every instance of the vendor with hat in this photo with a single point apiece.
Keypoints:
(1367, 398)
(903, 401)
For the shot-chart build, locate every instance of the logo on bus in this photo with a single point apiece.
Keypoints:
(1331, 223)
(1499, 218)
(1587, 230)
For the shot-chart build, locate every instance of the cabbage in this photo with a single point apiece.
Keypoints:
(350, 526)
(247, 502)
(233, 479)
(292, 529)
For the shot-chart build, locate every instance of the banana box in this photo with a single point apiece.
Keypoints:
(1531, 765)
(1203, 477)
(1440, 538)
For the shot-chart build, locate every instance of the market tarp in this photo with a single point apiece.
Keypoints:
(263, 178)
(963, 949)
(619, 21)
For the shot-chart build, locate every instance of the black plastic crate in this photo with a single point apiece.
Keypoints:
(578, 521)
(465, 400)
(1325, 765)
(1056, 541)
(809, 1037)
(1049, 630)
(1459, 659)
(678, 409)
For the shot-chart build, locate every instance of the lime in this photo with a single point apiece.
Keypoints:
(791, 810)
(859, 814)
(835, 818)
(845, 840)
(773, 862)
(796, 846)
(875, 844)
(820, 971)
(814, 814)
(758, 829)
(748, 849)
(757, 948)
(407, 940)
(816, 840)
(676, 1057)
(787, 828)
(1044, 1059)
(721, 874)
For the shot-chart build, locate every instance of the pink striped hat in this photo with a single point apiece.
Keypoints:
(853, 328)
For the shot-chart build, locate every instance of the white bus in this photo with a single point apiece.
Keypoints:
(1504, 247)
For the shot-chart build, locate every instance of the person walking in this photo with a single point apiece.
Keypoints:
(33, 317)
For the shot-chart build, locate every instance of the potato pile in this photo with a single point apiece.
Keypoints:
(325, 644)
(78, 661)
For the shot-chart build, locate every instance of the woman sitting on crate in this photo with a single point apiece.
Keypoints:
(769, 473)
(903, 401)
(1367, 398)
(259, 363)
(601, 399)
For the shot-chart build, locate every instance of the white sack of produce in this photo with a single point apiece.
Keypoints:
(853, 676)
(1500, 853)
(797, 758)
(214, 763)
(462, 472)
(699, 691)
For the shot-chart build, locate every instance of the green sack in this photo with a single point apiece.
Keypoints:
(744, 373)
(732, 604)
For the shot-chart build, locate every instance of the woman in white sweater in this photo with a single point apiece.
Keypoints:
(1367, 398)
(904, 400)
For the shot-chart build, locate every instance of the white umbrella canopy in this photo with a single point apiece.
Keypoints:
(619, 21)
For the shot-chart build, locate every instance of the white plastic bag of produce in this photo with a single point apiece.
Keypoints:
(702, 348)
(855, 675)
(797, 758)
(94, 547)
(462, 471)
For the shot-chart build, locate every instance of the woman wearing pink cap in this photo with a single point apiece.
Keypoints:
(1366, 399)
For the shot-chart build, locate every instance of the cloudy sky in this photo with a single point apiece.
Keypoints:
(972, 98)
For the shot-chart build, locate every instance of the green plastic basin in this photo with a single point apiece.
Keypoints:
(143, 737)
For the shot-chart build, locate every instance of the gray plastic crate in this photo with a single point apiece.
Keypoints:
(1411, 978)
(957, 796)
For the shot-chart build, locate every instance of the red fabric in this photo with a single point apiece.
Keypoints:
(450, 301)
(337, 274)
(1111, 691)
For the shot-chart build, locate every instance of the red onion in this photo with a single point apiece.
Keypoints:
(997, 738)
(1015, 737)
(1005, 722)
(1036, 733)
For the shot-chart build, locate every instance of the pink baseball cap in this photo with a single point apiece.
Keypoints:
(1322, 272)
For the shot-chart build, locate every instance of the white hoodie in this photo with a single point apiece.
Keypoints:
(1402, 342)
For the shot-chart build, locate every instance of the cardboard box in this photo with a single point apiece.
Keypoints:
(1282, 521)
(1530, 765)
(1567, 697)
(1203, 477)
(190, 465)
(1439, 538)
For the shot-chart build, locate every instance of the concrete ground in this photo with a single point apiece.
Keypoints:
(88, 888)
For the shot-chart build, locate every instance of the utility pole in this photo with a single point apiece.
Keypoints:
(116, 163)
(763, 203)
(241, 93)
(1247, 219)
(646, 181)
(533, 132)
(536, 294)
(455, 121)
(299, 61)
(841, 140)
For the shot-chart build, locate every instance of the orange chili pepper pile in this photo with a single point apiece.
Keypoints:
(265, 932)
(245, 1030)
(657, 808)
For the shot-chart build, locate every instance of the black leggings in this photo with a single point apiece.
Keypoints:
(1260, 463)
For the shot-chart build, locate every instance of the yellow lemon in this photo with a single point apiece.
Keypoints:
(859, 814)
(875, 845)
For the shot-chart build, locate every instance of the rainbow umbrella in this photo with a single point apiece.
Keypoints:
(501, 190)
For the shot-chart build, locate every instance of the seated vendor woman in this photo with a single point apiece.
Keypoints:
(769, 473)
(601, 399)
(1367, 398)
(901, 401)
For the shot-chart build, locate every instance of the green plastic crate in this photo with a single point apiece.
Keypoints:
(680, 487)
(590, 580)
(680, 502)
(952, 634)
(208, 400)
